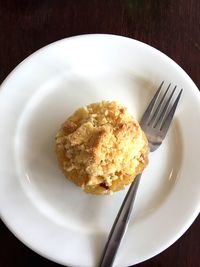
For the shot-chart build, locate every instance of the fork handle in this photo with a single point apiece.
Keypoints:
(119, 227)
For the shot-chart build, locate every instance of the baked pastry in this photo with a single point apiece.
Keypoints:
(101, 148)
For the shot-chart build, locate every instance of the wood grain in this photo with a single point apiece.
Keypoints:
(170, 26)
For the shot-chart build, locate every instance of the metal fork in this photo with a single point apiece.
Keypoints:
(155, 123)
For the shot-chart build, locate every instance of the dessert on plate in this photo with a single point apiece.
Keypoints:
(101, 148)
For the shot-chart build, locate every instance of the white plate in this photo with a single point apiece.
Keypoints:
(39, 205)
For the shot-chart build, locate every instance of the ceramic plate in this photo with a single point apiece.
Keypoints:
(50, 214)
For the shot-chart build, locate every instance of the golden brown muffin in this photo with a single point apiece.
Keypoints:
(101, 148)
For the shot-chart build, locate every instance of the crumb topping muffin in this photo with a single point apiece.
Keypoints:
(101, 148)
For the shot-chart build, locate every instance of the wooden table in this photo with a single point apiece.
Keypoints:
(171, 26)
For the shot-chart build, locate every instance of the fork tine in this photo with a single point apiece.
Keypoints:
(148, 111)
(164, 110)
(156, 112)
(166, 123)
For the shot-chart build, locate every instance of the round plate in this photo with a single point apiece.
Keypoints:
(50, 214)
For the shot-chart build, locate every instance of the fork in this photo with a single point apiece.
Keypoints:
(155, 123)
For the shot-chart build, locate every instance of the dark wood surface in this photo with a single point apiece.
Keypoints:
(171, 26)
